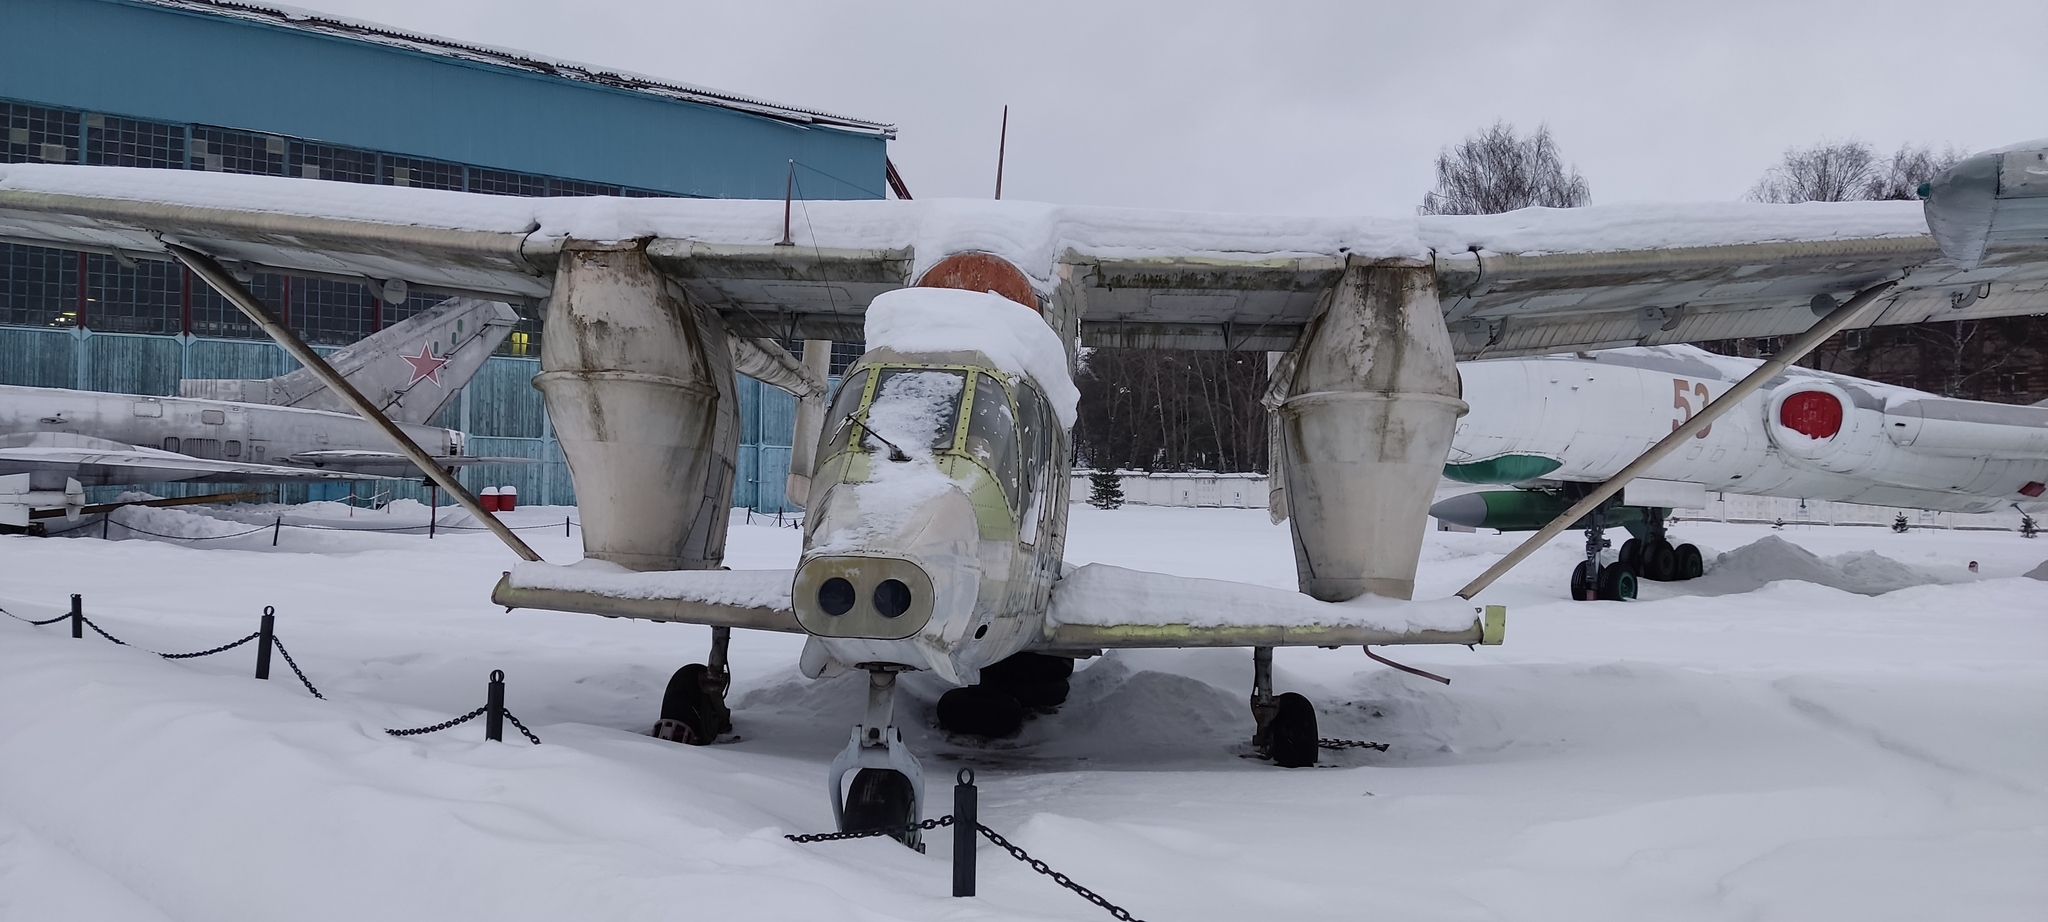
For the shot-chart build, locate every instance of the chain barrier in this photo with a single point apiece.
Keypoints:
(102, 631)
(1118, 912)
(1352, 744)
(287, 654)
(305, 527)
(443, 725)
(868, 833)
(522, 728)
(34, 623)
(222, 648)
(145, 531)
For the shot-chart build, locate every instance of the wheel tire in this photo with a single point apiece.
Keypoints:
(1292, 732)
(1026, 669)
(1617, 583)
(1660, 562)
(684, 703)
(1632, 555)
(1690, 564)
(977, 710)
(1582, 579)
(878, 799)
(1049, 694)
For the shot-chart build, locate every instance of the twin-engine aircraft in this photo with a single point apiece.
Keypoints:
(54, 442)
(936, 516)
(1555, 426)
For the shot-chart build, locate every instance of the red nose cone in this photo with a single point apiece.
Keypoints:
(1814, 414)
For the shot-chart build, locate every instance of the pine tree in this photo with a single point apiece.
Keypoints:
(1105, 490)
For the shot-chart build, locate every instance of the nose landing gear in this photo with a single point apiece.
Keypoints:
(888, 791)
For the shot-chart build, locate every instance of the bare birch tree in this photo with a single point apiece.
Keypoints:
(1850, 171)
(1496, 170)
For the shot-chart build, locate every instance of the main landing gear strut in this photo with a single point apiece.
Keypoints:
(693, 709)
(1656, 559)
(1649, 555)
(1285, 724)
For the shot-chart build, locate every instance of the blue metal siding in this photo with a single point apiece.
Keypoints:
(37, 358)
(140, 61)
(129, 364)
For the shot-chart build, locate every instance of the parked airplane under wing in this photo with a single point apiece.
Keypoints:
(930, 541)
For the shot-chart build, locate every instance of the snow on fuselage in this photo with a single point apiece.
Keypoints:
(1805, 434)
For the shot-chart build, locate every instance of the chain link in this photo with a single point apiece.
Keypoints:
(866, 833)
(223, 647)
(1121, 914)
(443, 725)
(287, 654)
(522, 728)
(1352, 744)
(34, 623)
(102, 631)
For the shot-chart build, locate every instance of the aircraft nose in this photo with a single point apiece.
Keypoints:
(1468, 509)
(862, 596)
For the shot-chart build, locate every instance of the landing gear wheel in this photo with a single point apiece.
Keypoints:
(879, 799)
(1293, 732)
(1617, 583)
(1632, 555)
(1582, 580)
(683, 708)
(1660, 562)
(977, 710)
(1034, 679)
(1690, 564)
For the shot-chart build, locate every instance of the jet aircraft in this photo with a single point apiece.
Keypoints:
(282, 429)
(1554, 426)
(925, 549)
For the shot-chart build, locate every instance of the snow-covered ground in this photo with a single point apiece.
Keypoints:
(1733, 748)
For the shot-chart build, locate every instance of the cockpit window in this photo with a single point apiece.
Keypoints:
(914, 409)
(992, 434)
(844, 403)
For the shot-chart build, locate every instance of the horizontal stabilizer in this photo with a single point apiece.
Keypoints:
(1104, 607)
(410, 369)
(757, 599)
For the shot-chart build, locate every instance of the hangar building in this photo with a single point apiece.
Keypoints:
(232, 87)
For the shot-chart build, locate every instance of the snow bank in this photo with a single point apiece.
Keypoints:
(1102, 595)
(1013, 336)
(738, 588)
(2040, 572)
(1770, 559)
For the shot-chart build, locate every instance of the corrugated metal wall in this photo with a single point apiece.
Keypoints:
(500, 411)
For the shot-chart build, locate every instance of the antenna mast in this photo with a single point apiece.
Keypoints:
(1001, 144)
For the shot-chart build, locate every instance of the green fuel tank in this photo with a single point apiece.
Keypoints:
(1521, 510)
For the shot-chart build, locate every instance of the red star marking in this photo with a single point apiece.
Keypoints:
(425, 366)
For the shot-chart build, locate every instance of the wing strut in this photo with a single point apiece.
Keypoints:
(1793, 352)
(218, 278)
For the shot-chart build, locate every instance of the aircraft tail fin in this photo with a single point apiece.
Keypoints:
(410, 369)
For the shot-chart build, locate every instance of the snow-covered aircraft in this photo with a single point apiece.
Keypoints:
(906, 569)
(290, 428)
(1557, 425)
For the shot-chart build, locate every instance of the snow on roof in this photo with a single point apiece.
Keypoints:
(1013, 336)
(1031, 235)
(324, 24)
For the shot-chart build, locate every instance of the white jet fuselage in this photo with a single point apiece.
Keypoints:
(1805, 434)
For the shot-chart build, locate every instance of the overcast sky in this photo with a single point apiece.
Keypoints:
(1316, 108)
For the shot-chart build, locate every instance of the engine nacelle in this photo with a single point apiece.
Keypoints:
(1817, 423)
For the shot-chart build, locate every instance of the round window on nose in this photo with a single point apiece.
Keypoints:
(836, 596)
(892, 598)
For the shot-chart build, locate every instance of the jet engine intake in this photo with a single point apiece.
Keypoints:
(1818, 423)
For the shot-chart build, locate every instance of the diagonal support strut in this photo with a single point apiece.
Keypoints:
(219, 280)
(1794, 351)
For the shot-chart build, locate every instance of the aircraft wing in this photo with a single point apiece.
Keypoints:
(345, 459)
(756, 599)
(1098, 607)
(108, 461)
(1532, 281)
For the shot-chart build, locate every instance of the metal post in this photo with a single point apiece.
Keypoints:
(276, 528)
(565, 526)
(494, 708)
(263, 635)
(966, 833)
(788, 192)
(105, 520)
(433, 509)
(77, 616)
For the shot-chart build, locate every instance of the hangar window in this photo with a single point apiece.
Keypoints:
(335, 313)
(506, 182)
(112, 141)
(221, 150)
(422, 174)
(325, 161)
(33, 134)
(578, 187)
(145, 296)
(38, 288)
(213, 316)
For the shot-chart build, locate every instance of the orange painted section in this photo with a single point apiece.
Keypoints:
(981, 272)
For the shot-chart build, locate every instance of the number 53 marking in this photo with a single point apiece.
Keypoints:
(1682, 389)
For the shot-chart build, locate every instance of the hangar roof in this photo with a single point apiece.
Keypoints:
(325, 24)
